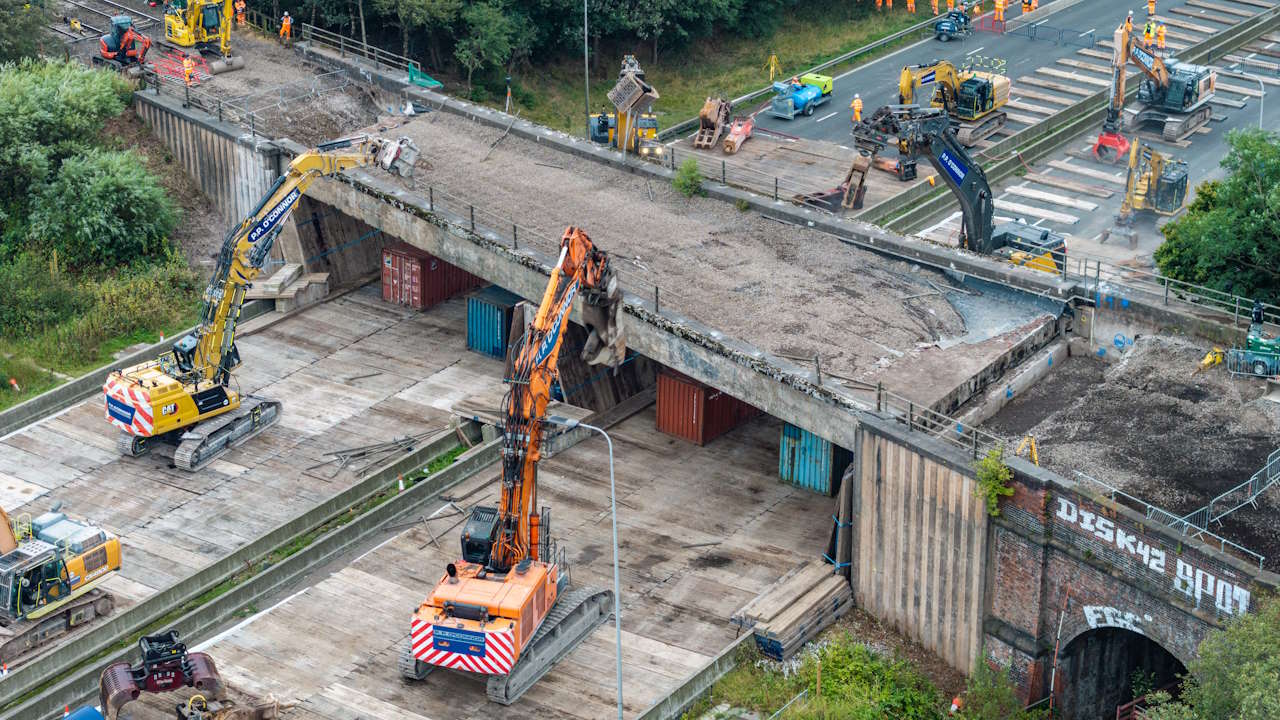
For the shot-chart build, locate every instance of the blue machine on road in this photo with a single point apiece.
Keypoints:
(800, 95)
(955, 24)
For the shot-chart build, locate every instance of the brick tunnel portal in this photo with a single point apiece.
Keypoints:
(1102, 668)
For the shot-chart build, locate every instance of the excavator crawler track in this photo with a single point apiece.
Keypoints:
(411, 668)
(23, 639)
(131, 445)
(203, 444)
(970, 133)
(576, 613)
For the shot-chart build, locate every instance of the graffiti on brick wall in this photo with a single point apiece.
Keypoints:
(1198, 584)
(1105, 616)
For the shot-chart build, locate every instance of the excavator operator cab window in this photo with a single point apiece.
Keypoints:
(210, 18)
(184, 353)
(478, 535)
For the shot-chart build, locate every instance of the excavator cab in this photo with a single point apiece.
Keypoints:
(184, 353)
(1171, 188)
(973, 97)
(479, 534)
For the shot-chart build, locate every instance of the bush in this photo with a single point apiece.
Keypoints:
(989, 695)
(103, 209)
(688, 180)
(994, 480)
(35, 296)
(25, 26)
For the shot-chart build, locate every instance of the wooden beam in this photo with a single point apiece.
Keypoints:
(1029, 107)
(1087, 172)
(1075, 77)
(1050, 215)
(1256, 3)
(1071, 185)
(1160, 139)
(1082, 65)
(1100, 54)
(1202, 15)
(1256, 48)
(1053, 198)
(1218, 100)
(1238, 89)
(1043, 97)
(1241, 12)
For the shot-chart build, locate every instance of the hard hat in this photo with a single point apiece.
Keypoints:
(286, 14)
(856, 95)
(1130, 13)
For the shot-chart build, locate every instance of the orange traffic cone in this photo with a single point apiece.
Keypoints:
(66, 711)
(14, 383)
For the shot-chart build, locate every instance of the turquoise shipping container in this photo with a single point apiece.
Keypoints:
(489, 312)
(807, 461)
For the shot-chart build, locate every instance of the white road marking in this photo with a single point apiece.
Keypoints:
(828, 116)
(1086, 32)
(974, 51)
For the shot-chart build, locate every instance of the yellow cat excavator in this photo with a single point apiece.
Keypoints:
(504, 610)
(187, 396)
(972, 98)
(204, 25)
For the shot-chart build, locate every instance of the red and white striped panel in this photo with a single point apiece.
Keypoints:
(131, 396)
(498, 657)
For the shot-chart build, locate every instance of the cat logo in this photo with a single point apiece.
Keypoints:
(169, 409)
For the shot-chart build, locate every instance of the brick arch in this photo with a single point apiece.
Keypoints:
(1096, 668)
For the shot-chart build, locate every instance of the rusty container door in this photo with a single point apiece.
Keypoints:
(680, 407)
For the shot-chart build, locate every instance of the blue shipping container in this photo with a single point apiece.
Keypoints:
(806, 460)
(489, 320)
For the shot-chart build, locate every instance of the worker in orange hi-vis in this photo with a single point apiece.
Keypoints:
(1149, 33)
(240, 21)
(857, 107)
(951, 5)
(1026, 6)
(977, 8)
(188, 69)
(911, 6)
(1128, 23)
(1035, 5)
(879, 4)
(1151, 8)
(999, 15)
(888, 4)
(286, 27)
(934, 5)
(1160, 37)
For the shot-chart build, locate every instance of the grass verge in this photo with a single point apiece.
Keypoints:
(721, 66)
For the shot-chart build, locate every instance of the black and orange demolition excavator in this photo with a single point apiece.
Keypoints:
(505, 609)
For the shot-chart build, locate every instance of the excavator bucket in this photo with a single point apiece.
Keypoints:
(606, 344)
(116, 688)
(226, 64)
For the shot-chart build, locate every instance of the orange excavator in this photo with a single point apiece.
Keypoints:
(505, 609)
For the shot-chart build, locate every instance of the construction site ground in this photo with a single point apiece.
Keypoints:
(785, 289)
(701, 531)
(1151, 428)
(351, 372)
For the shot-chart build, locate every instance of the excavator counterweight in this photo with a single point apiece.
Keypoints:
(505, 609)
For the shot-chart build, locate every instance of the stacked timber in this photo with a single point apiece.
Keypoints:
(793, 610)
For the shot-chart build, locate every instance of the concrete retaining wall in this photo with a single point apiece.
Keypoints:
(233, 168)
(919, 544)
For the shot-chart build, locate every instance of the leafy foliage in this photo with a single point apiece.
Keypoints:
(989, 695)
(103, 209)
(1229, 237)
(1238, 672)
(25, 24)
(688, 179)
(994, 480)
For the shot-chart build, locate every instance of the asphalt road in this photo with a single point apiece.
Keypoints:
(877, 81)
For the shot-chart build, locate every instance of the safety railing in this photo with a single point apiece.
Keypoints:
(1040, 31)
(920, 418)
(346, 46)
(1253, 363)
(1178, 523)
(1246, 493)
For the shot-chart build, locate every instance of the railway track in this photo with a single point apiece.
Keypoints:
(93, 18)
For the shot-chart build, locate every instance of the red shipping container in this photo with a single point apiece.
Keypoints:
(695, 412)
(417, 278)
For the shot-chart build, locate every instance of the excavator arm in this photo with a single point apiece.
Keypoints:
(584, 270)
(209, 352)
(941, 72)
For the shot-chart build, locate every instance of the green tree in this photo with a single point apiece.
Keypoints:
(989, 695)
(103, 209)
(1237, 674)
(488, 37)
(26, 28)
(1229, 237)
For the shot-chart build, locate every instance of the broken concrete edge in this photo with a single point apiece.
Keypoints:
(851, 231)
(683, 697)
(173, 104)
(73, 391)
(67, 657)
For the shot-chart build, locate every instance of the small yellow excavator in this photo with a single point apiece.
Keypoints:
(504, 610)
(188, 396)
(972, 98)
(50, 572)
(1155, 184)
(204, 25)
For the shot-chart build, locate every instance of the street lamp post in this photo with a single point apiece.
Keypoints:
(570, 424)
(586, 72)
(1262, 90)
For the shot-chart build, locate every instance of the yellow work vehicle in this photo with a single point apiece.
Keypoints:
(204, 25)
(50, 572)
(1155, 184)
(972, 98)
(630, 127)
(188, 396)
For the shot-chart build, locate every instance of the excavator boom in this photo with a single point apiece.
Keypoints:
(191, 384)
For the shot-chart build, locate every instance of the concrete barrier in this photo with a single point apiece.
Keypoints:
(85, 650)
(673, 705)
(73, 391)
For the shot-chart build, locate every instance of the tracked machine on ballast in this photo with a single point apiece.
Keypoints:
(188, 397)
(505, 609)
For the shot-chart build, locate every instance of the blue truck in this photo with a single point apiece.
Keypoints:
(800, 95)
